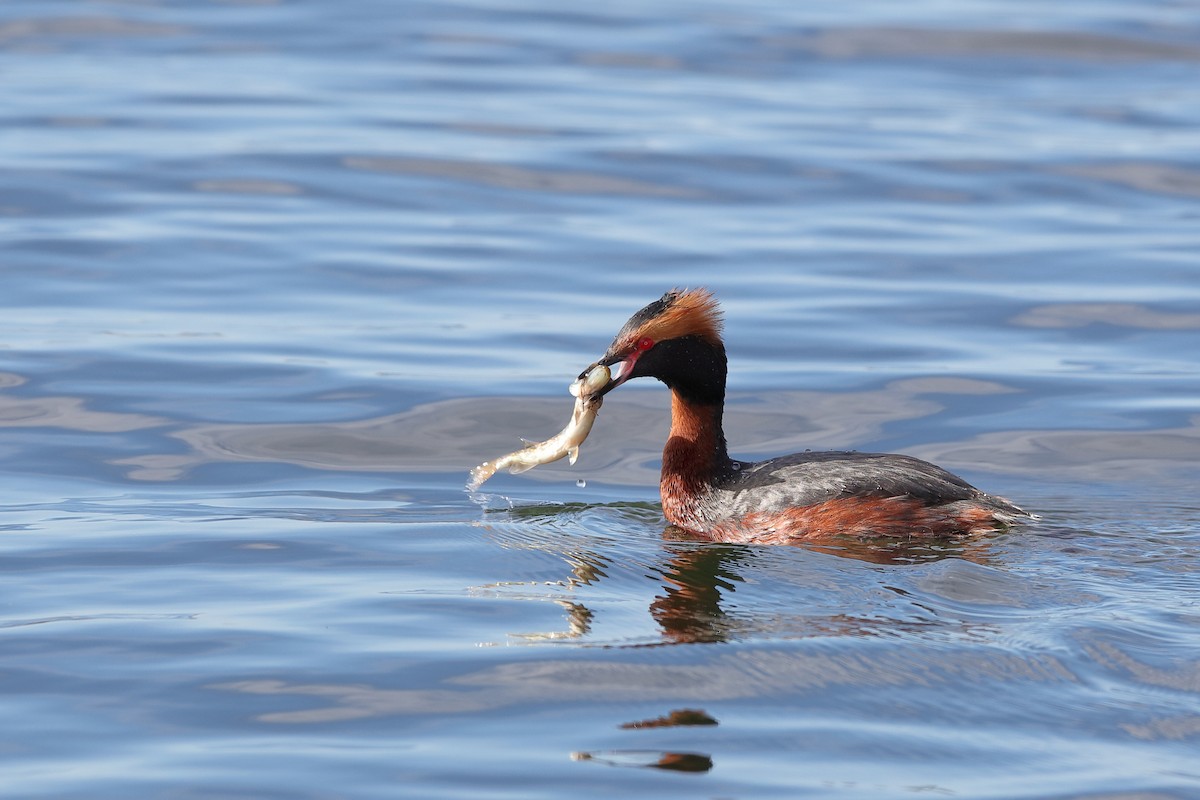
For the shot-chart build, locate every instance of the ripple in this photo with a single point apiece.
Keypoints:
(1126, 315)
(453, 435)
(87, 27)
(526, 179)
(248, 186)
(1155, 177)
(750, 674)
(70, 413)
(929, 43)
(1077, 454)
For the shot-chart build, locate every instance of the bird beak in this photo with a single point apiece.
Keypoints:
(604, 376)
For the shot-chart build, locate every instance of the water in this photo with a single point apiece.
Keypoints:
(276, 275)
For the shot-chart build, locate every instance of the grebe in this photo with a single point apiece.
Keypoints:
(803, 496)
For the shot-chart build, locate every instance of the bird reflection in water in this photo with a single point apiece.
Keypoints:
(680, 718)
(658, 759)
(694, 581)
(654, 759)
(586, 568)
(697, 575)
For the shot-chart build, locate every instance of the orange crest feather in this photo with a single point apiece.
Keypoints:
(693, 312)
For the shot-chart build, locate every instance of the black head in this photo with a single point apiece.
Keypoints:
(676, 339)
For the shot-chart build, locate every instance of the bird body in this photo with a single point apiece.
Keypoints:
(803, 496)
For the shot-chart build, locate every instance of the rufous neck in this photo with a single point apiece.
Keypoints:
(696, 447)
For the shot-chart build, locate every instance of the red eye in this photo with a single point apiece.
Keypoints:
(645, 343)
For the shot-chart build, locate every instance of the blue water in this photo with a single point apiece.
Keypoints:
(275, 275)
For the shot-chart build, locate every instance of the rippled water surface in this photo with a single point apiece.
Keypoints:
(275, 275)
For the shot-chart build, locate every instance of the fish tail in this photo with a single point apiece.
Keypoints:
(480, 474)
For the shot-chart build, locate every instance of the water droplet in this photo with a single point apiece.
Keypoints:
(581, 483)
(737, 465)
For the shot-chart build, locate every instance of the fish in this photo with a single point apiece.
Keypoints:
(564, 443)
(595, 380)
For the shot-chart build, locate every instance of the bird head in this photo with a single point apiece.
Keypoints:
(676, 339)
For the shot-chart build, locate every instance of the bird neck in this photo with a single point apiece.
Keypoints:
(695, 373)
(694, 459)
(696, 444)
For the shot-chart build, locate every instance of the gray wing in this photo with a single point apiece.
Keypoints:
(805, 479)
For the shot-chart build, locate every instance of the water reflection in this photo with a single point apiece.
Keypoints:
(866, 42)
(453, 435)
(680, 718)
(690, 611)
(450, 436)
(65, 412)
(579, 623)
(697, 579)
(675, 762)
(720, 675)
(669, 760)
(1123, 315)
(585, 568)
(957, 607)
(520, 178)
(901, 551)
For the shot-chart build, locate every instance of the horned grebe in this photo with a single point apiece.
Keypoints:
(803, 496)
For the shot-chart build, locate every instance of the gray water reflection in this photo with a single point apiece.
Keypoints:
(1168, 179)
(754, 673)
(701, 596)
(453, 435)
(1124, 315)
(961, 43)
(1078, 455)
(522, 178)
(456, 434)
